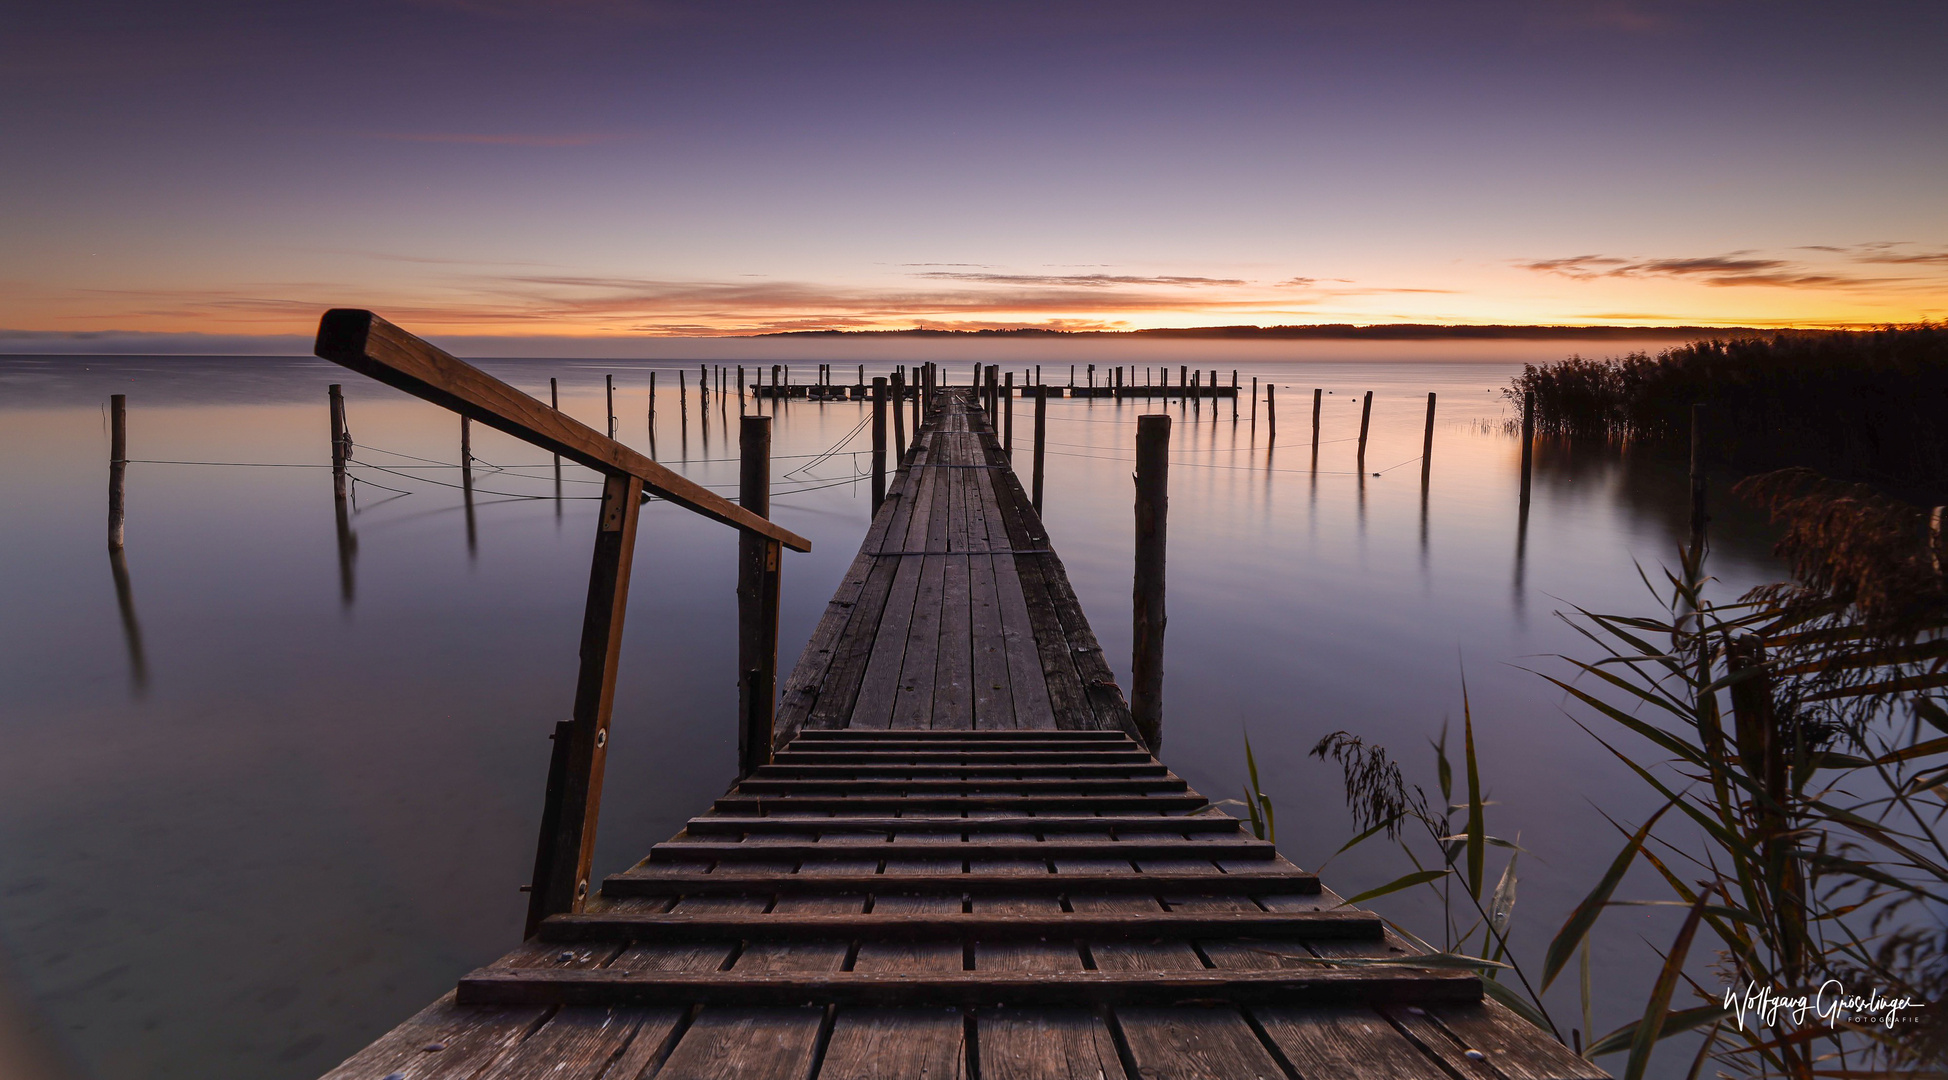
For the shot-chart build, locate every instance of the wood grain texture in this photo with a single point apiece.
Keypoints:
(374, 347)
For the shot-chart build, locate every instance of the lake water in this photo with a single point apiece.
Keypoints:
(263, 796)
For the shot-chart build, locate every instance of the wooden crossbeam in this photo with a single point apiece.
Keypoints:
(1286, 925)
(1365, 985)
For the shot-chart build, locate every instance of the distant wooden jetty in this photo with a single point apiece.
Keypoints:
(950, 853)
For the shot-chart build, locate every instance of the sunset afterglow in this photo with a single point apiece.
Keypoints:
(616, 168)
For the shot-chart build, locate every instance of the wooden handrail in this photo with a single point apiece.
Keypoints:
(371, 346)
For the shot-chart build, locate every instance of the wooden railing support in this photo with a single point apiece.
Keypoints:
(879, 441)
(898, 385)
(567, 844)
(758, 580)
(1152, 506)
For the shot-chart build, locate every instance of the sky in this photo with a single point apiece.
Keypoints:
(621, 169)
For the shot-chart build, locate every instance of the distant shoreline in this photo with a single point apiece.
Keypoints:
(1324, 331)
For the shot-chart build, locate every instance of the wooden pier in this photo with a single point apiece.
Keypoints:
(957, 859)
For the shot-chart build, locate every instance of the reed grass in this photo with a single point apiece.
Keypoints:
(1797, 743)
(1866, 405)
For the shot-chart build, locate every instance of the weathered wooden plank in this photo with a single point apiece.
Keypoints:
(1046, 1044)
(581, 1043)
(1080, 755)
(374, 347)
(953, 692)
(1042, 824)
(1045, 582)
(832, 697)
(1104, 917)
(887, 1043)
(1204, 1042)
(1042, 986)
(1027, 685)
(765, 1041)
(843, 735)
(899, 768)
(744, 883)
(468, 1039)
(807, 681)
(997, 847)
(873, 707)
(755, 804)
(1051, 786)
(913, 702)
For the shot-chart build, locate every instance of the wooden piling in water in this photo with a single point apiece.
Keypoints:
(898, 385)
(879, 441)
(1427, 443)
(1528, 443)
(1008, 425)
(609, 392)
(758, 565)
(341, 440)
(1318, 401)
(1366, 417)
(1148, 618)
(1041, 435)
(118, 465)
(1254, 401)
(466, 482)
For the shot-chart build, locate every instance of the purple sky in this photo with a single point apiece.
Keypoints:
(610, 167)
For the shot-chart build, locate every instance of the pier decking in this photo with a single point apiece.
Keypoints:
(959, 862)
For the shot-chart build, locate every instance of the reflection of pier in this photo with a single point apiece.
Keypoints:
(950, 853)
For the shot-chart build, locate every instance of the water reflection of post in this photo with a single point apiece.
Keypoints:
(466, 484)
(118, 565)
(1521, 552)
(341, 452)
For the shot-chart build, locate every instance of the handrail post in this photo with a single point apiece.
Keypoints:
(567, 846)
(898, 387)
(758, 574)
(1041, 433)
(1152, 506)
(919, 380)
(879, 441)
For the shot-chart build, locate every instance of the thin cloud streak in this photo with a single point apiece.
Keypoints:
(1739, 268)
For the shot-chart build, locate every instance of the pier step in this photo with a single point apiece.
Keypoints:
(1110, 826)
(1339, 987)
(1346, 924)
(956, 885)
(1039, 850)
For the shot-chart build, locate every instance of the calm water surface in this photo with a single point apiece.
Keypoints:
(263, 795)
